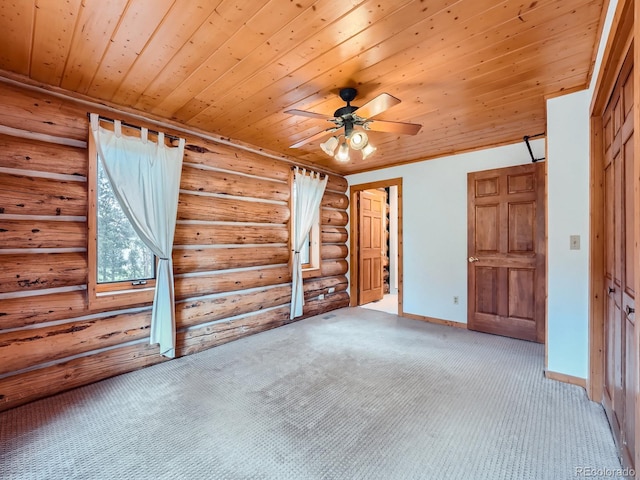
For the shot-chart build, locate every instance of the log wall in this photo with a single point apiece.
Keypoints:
(230, 253)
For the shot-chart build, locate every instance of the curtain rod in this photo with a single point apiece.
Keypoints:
(137, 127)
(308, 169)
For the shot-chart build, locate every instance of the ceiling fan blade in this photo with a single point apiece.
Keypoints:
(313, 137)
(377, 105)
(304, 113)
(394, 127)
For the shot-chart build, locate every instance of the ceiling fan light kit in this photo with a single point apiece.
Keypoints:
(350, 116)
(358, 140)
(329, 146)
(343, 152)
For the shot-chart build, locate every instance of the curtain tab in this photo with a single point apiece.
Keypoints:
(94, 121)
(144, 134)
(117, 128)
(161, 138)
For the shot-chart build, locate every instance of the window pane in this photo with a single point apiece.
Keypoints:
(305, 253)
(122, 256)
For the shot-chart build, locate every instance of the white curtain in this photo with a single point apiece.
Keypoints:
(145, 178)
(308, 192)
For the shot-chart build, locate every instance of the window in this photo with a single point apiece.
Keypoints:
(310, 253)
(121, 255)
(122, 269)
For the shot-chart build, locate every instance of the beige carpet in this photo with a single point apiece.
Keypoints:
(355, 394)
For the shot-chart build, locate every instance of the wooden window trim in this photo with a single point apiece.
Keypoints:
(106, 295)
(313, 269)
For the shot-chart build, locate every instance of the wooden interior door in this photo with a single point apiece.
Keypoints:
(506, 252)
(370, 245)
(619, 325)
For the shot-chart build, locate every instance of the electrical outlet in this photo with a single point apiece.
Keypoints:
(456, 300)
(331, 289)
(321, 296)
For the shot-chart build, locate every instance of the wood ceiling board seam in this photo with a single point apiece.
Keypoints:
(163, 47)
(244, 120)
(51, 45)
(346, 17)
(343, 66)
(241, 44)
(336, 39)
(207, 38)
(268, 52)
(128, 42)
(14, 22)
(93, 32)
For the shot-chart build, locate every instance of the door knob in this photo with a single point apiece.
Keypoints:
(629, 310)
(473, 259)
(611, 290)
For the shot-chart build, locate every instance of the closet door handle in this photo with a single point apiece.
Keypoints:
(611, 290)
(629, 310)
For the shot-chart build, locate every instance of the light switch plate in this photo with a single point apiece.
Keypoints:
(574, 242)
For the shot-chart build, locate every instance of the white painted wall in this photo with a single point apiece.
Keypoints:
(568, 197)
(568, 214)
(435, 225)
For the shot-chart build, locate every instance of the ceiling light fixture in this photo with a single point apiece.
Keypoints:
(343, 152)
(367, 150)
(356, 140)
(329, 147)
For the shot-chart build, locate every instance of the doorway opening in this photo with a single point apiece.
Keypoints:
(376, 245)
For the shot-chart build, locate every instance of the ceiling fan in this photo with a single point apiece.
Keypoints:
(350, 116)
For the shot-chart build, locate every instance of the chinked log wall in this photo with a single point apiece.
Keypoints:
(230, 254)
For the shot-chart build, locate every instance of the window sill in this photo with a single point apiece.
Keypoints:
(121, 298)
(311, 273)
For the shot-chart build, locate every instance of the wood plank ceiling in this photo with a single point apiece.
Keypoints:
(474, 73)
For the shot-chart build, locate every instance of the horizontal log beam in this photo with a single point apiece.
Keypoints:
(19, 389)
(19, 273)
(330, 268)
(225, 183)
(330, 302)
(199, 339)
(234, 159)
(36, 111)
(42, 234)
(187, 287)
(201, 310)
(338, 184)
(335, 200)
(210, 259)
(187, 234)
(22, 195)
(25, 154)
(25, 348)
(333, 252)
(321, 286)
(331, 234)
(335, 218)
(20, 312)
(197, 207)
